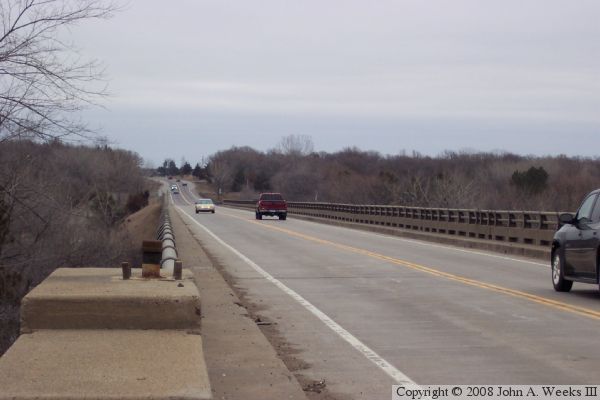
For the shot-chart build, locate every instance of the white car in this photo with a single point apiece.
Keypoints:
(204, 205)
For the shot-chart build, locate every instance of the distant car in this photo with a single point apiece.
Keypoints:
(178, 180)
(271, 204)
(184, 184)
(204, 205)
(173, 187)
(576, 246)
(170, 177)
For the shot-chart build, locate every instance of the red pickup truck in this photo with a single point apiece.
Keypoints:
(271, 204)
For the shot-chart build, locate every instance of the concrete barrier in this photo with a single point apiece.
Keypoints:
(98, 298)
(89, 334)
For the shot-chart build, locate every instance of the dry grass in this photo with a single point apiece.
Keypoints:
(141, 226)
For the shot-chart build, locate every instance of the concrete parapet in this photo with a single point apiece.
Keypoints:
(529, 242)
(528, 228)
(98, 298)
(539, 252)
(105, 364)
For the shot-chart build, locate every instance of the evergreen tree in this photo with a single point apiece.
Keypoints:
(172, 168)
(197, 172)
(533, 181)
(186, 168)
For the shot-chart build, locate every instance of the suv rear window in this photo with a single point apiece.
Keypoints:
(585, 211)
(596, 212)
(271, 196)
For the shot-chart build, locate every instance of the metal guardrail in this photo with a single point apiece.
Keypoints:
(166, 235)
(520, 227)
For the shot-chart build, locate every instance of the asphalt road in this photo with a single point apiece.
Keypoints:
(365, 311)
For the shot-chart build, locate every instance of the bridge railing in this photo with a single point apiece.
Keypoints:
(520, 227)
(166, 235)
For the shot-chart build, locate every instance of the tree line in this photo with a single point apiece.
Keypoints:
(170, 168)
(477, 180)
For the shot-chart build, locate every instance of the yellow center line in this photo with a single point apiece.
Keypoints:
(586, 312)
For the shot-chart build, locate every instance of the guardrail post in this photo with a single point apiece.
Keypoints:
(177, 270)
(126, 268)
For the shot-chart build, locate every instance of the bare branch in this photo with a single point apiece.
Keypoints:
(42, 85)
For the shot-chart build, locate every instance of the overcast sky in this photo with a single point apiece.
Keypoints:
(189, 78)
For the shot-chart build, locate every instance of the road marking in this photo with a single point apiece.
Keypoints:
(184, 197)
(427, 244)
(586, 312)
(422, 243)
(479, 253)
(398, 376)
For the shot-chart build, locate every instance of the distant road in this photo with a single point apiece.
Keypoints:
(364, 310)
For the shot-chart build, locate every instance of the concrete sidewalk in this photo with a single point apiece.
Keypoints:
(241, 362)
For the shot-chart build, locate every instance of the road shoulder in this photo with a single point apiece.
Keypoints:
(241, 362)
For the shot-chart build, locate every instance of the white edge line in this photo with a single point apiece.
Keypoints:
(181, 196)
(375, 358)
(189, 192)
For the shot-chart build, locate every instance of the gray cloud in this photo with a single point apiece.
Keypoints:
(430, 75)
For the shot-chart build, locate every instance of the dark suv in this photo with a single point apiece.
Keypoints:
(576, 246)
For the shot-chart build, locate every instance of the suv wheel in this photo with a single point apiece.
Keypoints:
(258, 215)
(558, 279)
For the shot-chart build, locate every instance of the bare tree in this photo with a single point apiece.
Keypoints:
(298, 145)
(60, 205)
(220, 172)
(42, 81)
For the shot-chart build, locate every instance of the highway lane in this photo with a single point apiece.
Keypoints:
(435, 313)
